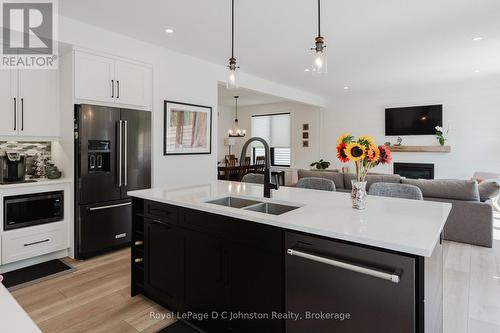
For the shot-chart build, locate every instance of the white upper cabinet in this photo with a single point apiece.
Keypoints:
(37, 106)
(108, 80)
(29, 103)
(8, 102)
(94, 77)
(132, 84)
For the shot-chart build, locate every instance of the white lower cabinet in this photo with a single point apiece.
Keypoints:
(34, 241)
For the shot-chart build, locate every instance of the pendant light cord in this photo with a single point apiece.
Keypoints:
(236, 98)
(319, 18)
(232, 28)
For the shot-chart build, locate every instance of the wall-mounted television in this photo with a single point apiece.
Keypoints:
(413, 120)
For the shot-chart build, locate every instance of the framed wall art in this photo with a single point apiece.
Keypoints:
(187, 129)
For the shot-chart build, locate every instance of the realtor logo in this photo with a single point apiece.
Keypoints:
(29, 32)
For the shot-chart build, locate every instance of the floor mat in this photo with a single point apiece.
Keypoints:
(33, 274)
(179, 327)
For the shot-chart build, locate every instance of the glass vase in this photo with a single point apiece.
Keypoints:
(358, 194)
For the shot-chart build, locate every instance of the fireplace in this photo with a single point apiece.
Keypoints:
(414, 170)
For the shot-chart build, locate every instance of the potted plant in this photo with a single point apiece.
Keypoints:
(441, 135)
(366, 155)
(320, 165)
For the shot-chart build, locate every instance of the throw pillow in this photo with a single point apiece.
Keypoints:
(489, 189)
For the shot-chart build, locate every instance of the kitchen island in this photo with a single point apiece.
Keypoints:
(226, 259)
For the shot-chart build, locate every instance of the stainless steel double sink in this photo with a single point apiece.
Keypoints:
(253, 205)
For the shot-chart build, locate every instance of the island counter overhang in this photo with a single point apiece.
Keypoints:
(407, 226)
(388, 227)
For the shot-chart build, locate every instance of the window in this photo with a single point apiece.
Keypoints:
(275, 129)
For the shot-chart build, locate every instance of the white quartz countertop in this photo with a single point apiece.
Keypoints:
(13, 318)
(40, 182)
(408, 226)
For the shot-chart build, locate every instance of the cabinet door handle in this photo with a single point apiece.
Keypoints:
(161, 223)
(117, 89)
(34, 243)
(340, 264)
(159, 211)
(22, 114)
(110, 206)
(112, 88)
(15, 113)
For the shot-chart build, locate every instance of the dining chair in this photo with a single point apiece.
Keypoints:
(230, 157)
(244, 167)
(395, 190)
(253, 178)
(260, 163)
(316, 183)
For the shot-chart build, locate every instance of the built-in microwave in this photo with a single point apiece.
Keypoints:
(32, 209)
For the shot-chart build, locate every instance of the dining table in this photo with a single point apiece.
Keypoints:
(236, 172)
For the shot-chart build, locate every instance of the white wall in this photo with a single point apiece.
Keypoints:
(176, 77)
(472, 109)
(225, 121)
(299, 114)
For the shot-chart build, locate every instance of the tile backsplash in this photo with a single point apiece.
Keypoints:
(37, 155)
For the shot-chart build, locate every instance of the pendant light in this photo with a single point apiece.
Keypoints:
(235, 132)
(232, 81)
(319, 61)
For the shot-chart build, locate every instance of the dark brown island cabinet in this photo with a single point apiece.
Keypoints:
(223, 274)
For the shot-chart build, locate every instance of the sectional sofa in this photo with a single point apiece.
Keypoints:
(471, 217)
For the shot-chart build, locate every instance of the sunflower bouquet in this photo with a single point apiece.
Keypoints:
(363, 152)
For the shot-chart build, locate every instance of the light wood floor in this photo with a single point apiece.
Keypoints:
(95, 298)
(472, 288)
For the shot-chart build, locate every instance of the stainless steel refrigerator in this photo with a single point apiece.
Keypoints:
(112, 156)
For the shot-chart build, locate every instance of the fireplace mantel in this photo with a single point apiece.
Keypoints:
(420, 149)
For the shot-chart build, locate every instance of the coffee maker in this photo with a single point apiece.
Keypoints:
(12, 167)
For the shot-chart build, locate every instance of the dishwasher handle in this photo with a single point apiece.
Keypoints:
(340, 264)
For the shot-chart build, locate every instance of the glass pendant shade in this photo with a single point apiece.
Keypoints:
(319, 59)
(319, 62)
(232, 79)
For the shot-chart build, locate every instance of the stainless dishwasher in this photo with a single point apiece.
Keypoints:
(336, 286)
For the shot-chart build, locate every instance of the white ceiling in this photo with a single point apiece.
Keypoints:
(247, 97)
(371, 44)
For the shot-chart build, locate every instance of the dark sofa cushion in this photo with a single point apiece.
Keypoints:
(333, 175)
(466, 190)
(370, 179)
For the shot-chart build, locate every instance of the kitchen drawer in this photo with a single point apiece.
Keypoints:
(35, 241)
(161, 211)
(103, 227)
(236, 230)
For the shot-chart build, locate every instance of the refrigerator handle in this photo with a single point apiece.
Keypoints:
(125, 152)
(120, 153)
